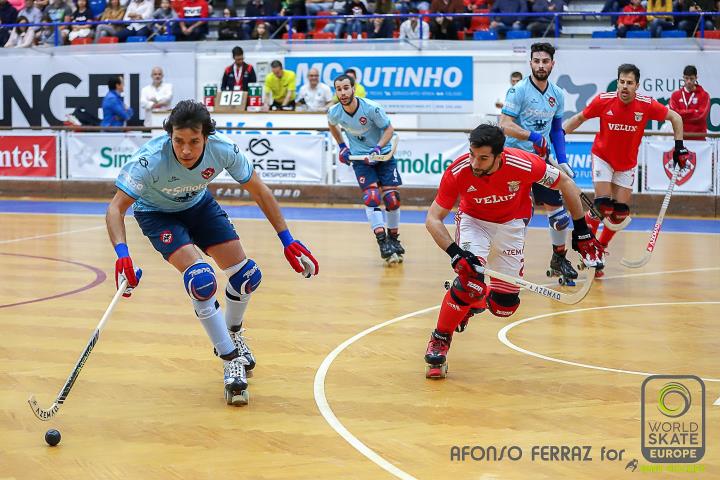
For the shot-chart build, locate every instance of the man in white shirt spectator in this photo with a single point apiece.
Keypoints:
(137, 10)
(156, 96)
(410, 28)
(315, 95)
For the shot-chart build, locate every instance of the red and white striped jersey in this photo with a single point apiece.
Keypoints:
(501, 196)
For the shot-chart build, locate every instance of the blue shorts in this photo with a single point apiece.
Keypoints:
(204, 224)
(546, 196)
(383, 173)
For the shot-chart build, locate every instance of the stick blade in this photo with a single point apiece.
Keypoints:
(43, 415)
(577, 297)
(636, 263)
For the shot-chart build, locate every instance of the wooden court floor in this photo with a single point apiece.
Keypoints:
(149, 403)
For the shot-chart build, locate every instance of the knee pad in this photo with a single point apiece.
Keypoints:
(604, 205)
(391, 198)
(559, 219)
(371, 197)
(245, 276)
(200, 282)
(503, 304)
(468, 290)
(620, 212)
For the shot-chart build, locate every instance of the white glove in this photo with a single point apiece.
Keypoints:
(565, 167)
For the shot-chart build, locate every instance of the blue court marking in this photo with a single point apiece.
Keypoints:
(335, 215)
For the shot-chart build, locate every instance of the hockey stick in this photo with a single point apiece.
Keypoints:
(656, 230)
(566, 298)
(47, 414)
(378, 158)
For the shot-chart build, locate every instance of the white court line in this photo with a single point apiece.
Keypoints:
(66, 232)
(502, 336)
(326, 411)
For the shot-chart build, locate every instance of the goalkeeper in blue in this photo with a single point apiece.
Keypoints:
(531, 118)
(166, 182)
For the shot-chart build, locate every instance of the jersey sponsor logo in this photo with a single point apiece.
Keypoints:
(184, 189)
(166, 237)
(173, 179)
(490, 199)
(638, 116)
(363, 120)
(207, 173)
(621, 127)
(551, 101)
(125, 177)
(686, 173)
(514, 186)
(471, 189)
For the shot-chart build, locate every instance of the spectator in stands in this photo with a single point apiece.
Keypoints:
(238, 75)
(8, 14)
(614, 6)
(21, 37)
(313, 7)
(692, 103)
(113, 11)
(296, 8)
(544, 26)
(193, 31)
(57, 11)
(261, 31)
(156, 96)
(280, 88)
(658, 23)
(115, 114)
(97, 7)
(631, 22)
(31, 13)
(168, 18)
(502, 24)
(515, 77)
(82, 14)
(691, 23)
(446, 28)
(382, 27)
(259, 8)
(314, 95)
(230, 29)
(336, 26)
(410, 28)
(355, 25)
(137, 10)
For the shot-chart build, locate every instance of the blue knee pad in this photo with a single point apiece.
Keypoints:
(371, 197)
(247, 276)
(200, 282)
(391, 198)
(559, 219)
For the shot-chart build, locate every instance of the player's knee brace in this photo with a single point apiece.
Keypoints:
(245, 276)
(391, 198)
(468, 290)
(371, 197)
(503, 304)
(559, 219)
(620, 212)
(604, 205)
(200, 282)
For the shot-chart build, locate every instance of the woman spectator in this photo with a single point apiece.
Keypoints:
(260, 32)
(113, 11)
(355, 25)
(21, 37)
(82, 14)
(229, 29)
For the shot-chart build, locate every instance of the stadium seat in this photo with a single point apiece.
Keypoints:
(108, 40)
(604, 34)
(321, 22)
(164, 38)
(638, 34)
(324, 36)
(136, 39)
(485, 35)
(710, 34)
(296, 36)
(82, 41)
(396, 34)
(673, 34)
(515, 34)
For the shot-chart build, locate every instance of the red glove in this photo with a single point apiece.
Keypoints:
(298, 256)
(124, 270)
(584, 242)
(344, 154)
(540, 145)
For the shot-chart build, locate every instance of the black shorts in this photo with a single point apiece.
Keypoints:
(546, 196)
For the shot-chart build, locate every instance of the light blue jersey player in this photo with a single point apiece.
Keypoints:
(532, 119)
(166, 182)
(369, 132)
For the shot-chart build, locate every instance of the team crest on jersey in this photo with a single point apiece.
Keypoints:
(363, 120)
(207, 173)
(551, 101)
(638, 116)
(513, 186)
(166, 237)
(686, 173)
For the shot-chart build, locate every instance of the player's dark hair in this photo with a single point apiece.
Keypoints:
(237, 51)
(543, 47)
(190, 114)
(113, 82)
(275, 64)
(351, 70)
(487, 134)
(629, 68)
(516, 75)
(690, 71)
(342, 77)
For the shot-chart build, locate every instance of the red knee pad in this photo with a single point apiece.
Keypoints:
(503, 304)
(468, 290)
(620, 212)
(371, 197)
(391, 199)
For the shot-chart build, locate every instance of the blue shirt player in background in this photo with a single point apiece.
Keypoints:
(369, 132)
(166, 183)
(531, 118)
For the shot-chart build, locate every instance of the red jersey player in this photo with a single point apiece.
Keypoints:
(493, 184)
(623, 115)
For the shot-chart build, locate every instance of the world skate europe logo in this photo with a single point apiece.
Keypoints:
(686, 173)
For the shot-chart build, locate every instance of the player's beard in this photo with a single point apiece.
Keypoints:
(541, 77)
(483, 173)
(348, 101)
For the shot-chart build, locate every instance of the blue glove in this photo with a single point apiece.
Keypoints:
(540, 145)
(344, 154)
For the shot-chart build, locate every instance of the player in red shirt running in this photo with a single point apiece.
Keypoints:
(493, 184)
(623, 116)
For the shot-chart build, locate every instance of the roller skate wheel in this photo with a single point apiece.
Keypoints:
(549, 273)
(561, 281)
(435, 371)
(392, 259)
(237, 399)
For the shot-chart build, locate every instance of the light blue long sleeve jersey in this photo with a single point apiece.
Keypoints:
(364, 128)
(533, 110)
(158, 182)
